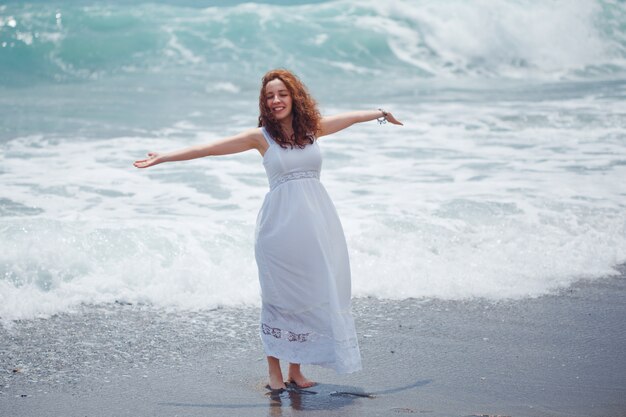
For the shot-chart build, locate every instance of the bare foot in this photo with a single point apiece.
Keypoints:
(276, 382)
(296, 377)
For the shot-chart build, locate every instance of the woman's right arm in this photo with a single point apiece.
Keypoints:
(244, 141)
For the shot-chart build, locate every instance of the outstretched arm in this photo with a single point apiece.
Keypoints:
(332, 124)
(250, 139)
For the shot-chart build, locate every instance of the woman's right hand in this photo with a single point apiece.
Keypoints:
(152, 159)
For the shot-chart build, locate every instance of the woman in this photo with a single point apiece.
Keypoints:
(300, 248)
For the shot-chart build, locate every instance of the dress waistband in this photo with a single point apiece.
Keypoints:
(298, 175)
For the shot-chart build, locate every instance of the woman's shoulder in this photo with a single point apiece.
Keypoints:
(260, 136)
(253, 133)
(253, 137)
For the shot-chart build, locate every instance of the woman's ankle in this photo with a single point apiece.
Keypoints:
(276, 380)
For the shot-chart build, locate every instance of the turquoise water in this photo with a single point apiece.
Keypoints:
(505, 182)
(95, 66)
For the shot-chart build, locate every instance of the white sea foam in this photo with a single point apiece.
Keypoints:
(504, 38)
(227, 87)
(509, 199)
(177, 50)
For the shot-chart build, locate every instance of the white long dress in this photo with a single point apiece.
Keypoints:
(303, 264)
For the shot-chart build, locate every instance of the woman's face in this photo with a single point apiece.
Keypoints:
(278, 99)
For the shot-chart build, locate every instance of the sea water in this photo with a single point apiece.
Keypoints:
(506, 181)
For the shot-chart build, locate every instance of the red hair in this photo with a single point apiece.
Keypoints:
(306, 116)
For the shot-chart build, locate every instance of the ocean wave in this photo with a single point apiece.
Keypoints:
(68, 42)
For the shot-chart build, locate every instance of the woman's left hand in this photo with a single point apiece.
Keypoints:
(392, 119)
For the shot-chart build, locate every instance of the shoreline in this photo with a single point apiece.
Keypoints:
(554, 355)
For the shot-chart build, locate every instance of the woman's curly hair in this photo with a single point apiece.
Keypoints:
(306, 116)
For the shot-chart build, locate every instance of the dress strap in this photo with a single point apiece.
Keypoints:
(267, 136)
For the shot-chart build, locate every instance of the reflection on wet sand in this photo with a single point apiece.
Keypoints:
(321, 397)
(325, 397)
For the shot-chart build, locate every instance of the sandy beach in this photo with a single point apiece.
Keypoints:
(556, 355)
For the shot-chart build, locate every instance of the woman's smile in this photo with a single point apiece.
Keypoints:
(278, 109)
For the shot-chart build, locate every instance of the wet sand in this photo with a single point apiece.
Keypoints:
(557, 355)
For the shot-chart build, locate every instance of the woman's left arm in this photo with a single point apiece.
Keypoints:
(333, 124)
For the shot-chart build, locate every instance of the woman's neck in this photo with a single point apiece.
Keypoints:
(287, 126)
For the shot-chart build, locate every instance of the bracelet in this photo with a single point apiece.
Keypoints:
(382, 120)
